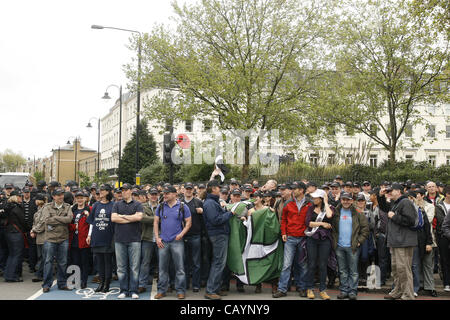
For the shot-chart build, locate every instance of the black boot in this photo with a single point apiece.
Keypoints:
(100, 286)
(106, 286)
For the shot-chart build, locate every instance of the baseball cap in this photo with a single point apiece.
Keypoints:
(93, 186)
(258, 194)
(397, 186)
(79, 194)
(29, 184)
(189, 185)
(201, 186)
(348, 184)
(57, 191)
(213, 183)
(224, 190)
(319, 193)
(248, 189)
(234, 181)
(312, 184)
(366, 183)
(40, 197)
(325, 186)
(55, 184)
(15, 193)
(74, 189)
(422, 191)
(284, 186)
(153, 191)
(236, 192)
(26, 190)
(346, 195)
(117, 190)
(9, 186)
(127, 186)
(169, 189)
(298, 185)
(106, 187)
(335, 184)
(356, 184)
(338, 177)
(360, 197)
(135, 192)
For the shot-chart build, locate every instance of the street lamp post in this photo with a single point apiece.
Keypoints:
(138, 91)
(98, 144)
(106, 96)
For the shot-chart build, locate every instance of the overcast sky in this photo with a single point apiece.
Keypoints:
(54, 68)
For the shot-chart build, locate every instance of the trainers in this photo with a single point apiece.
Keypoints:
(447, 288)
(352, 296)
(302, 293)
(134, 296)
(415, 294)
(324, 295)
(180, 296)
(45, 290)
(141, 289)
(212, 296)
(310, 294)
(121, 296)
(279, 294)
(222, 293)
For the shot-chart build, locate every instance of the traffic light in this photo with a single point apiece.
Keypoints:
(168, 145)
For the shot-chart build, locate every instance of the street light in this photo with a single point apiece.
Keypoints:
(106, 96)
(138, 91)
(98, 144)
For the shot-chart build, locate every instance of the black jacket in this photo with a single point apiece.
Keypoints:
(440, 215)
(424, 237)
(16, 218)
(399, 232)
(198, 226)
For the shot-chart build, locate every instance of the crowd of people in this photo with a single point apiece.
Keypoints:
(179, 233)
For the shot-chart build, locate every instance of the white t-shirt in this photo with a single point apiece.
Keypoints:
(447, 206)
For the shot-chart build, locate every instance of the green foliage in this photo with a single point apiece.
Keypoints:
(147, 154)
(85, 180)
(11, 161)
(38, 175)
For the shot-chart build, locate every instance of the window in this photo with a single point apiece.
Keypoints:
(409, 157)
(331, 159)
(447, 131)
(431, 109)
(188, 125)
(431, 131)
(169, 124)
(432, 160)
(408, 130)
(314, 159)
(447, 109)
(207, 125)
(448, 161)
(349, 159)
(373, 160)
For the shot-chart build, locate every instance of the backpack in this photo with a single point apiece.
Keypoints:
(418, 223)
(180, 212)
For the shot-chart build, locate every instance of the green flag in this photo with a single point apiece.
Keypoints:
(255, 249)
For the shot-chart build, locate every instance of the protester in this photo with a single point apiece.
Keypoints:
(29, 209)
(349, 229)
(216, 223)
(442, 239)
(127, 214)
(56, 216)
(79, 230)
(401, 239)
(38, 233)
(293, 234)
(318, 243)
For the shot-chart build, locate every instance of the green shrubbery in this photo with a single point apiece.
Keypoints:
(400, 172)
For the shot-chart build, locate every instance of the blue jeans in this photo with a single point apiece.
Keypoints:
(174, 249)
(128, 255)
(318, 253)
(15, 257)
(293, 246)
(348, 270)
(193, 259)
(219, 259)
(416, 269)
(40, 262)
(148, 249)
(59, 250)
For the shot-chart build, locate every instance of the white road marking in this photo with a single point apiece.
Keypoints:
(39, 292)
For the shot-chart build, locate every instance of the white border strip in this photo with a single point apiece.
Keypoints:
(39, 292)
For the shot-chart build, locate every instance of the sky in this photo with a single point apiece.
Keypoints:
(54, 68)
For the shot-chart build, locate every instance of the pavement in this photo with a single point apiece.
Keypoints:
(29, 290)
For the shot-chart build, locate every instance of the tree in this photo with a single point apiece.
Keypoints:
(147, 153)
(388, 64)
(437, 10)
(38, 175)
(11, 161)
(245, 64)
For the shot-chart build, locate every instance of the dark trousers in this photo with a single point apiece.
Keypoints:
(206, 258)
(3, 248)
(384, 256)
(80, 257)
(104, 265)
(444, 254)
(31, 252)
(13, 268)
(192, 245)
(318, 253)
(40, 261)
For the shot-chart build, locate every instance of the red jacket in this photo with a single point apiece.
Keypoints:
(83, 230)
(293, 220)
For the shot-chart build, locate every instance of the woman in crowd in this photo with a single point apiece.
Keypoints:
(38, 232)
(15, 237)
(100, 236)
(79, 228)
(318, 242)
